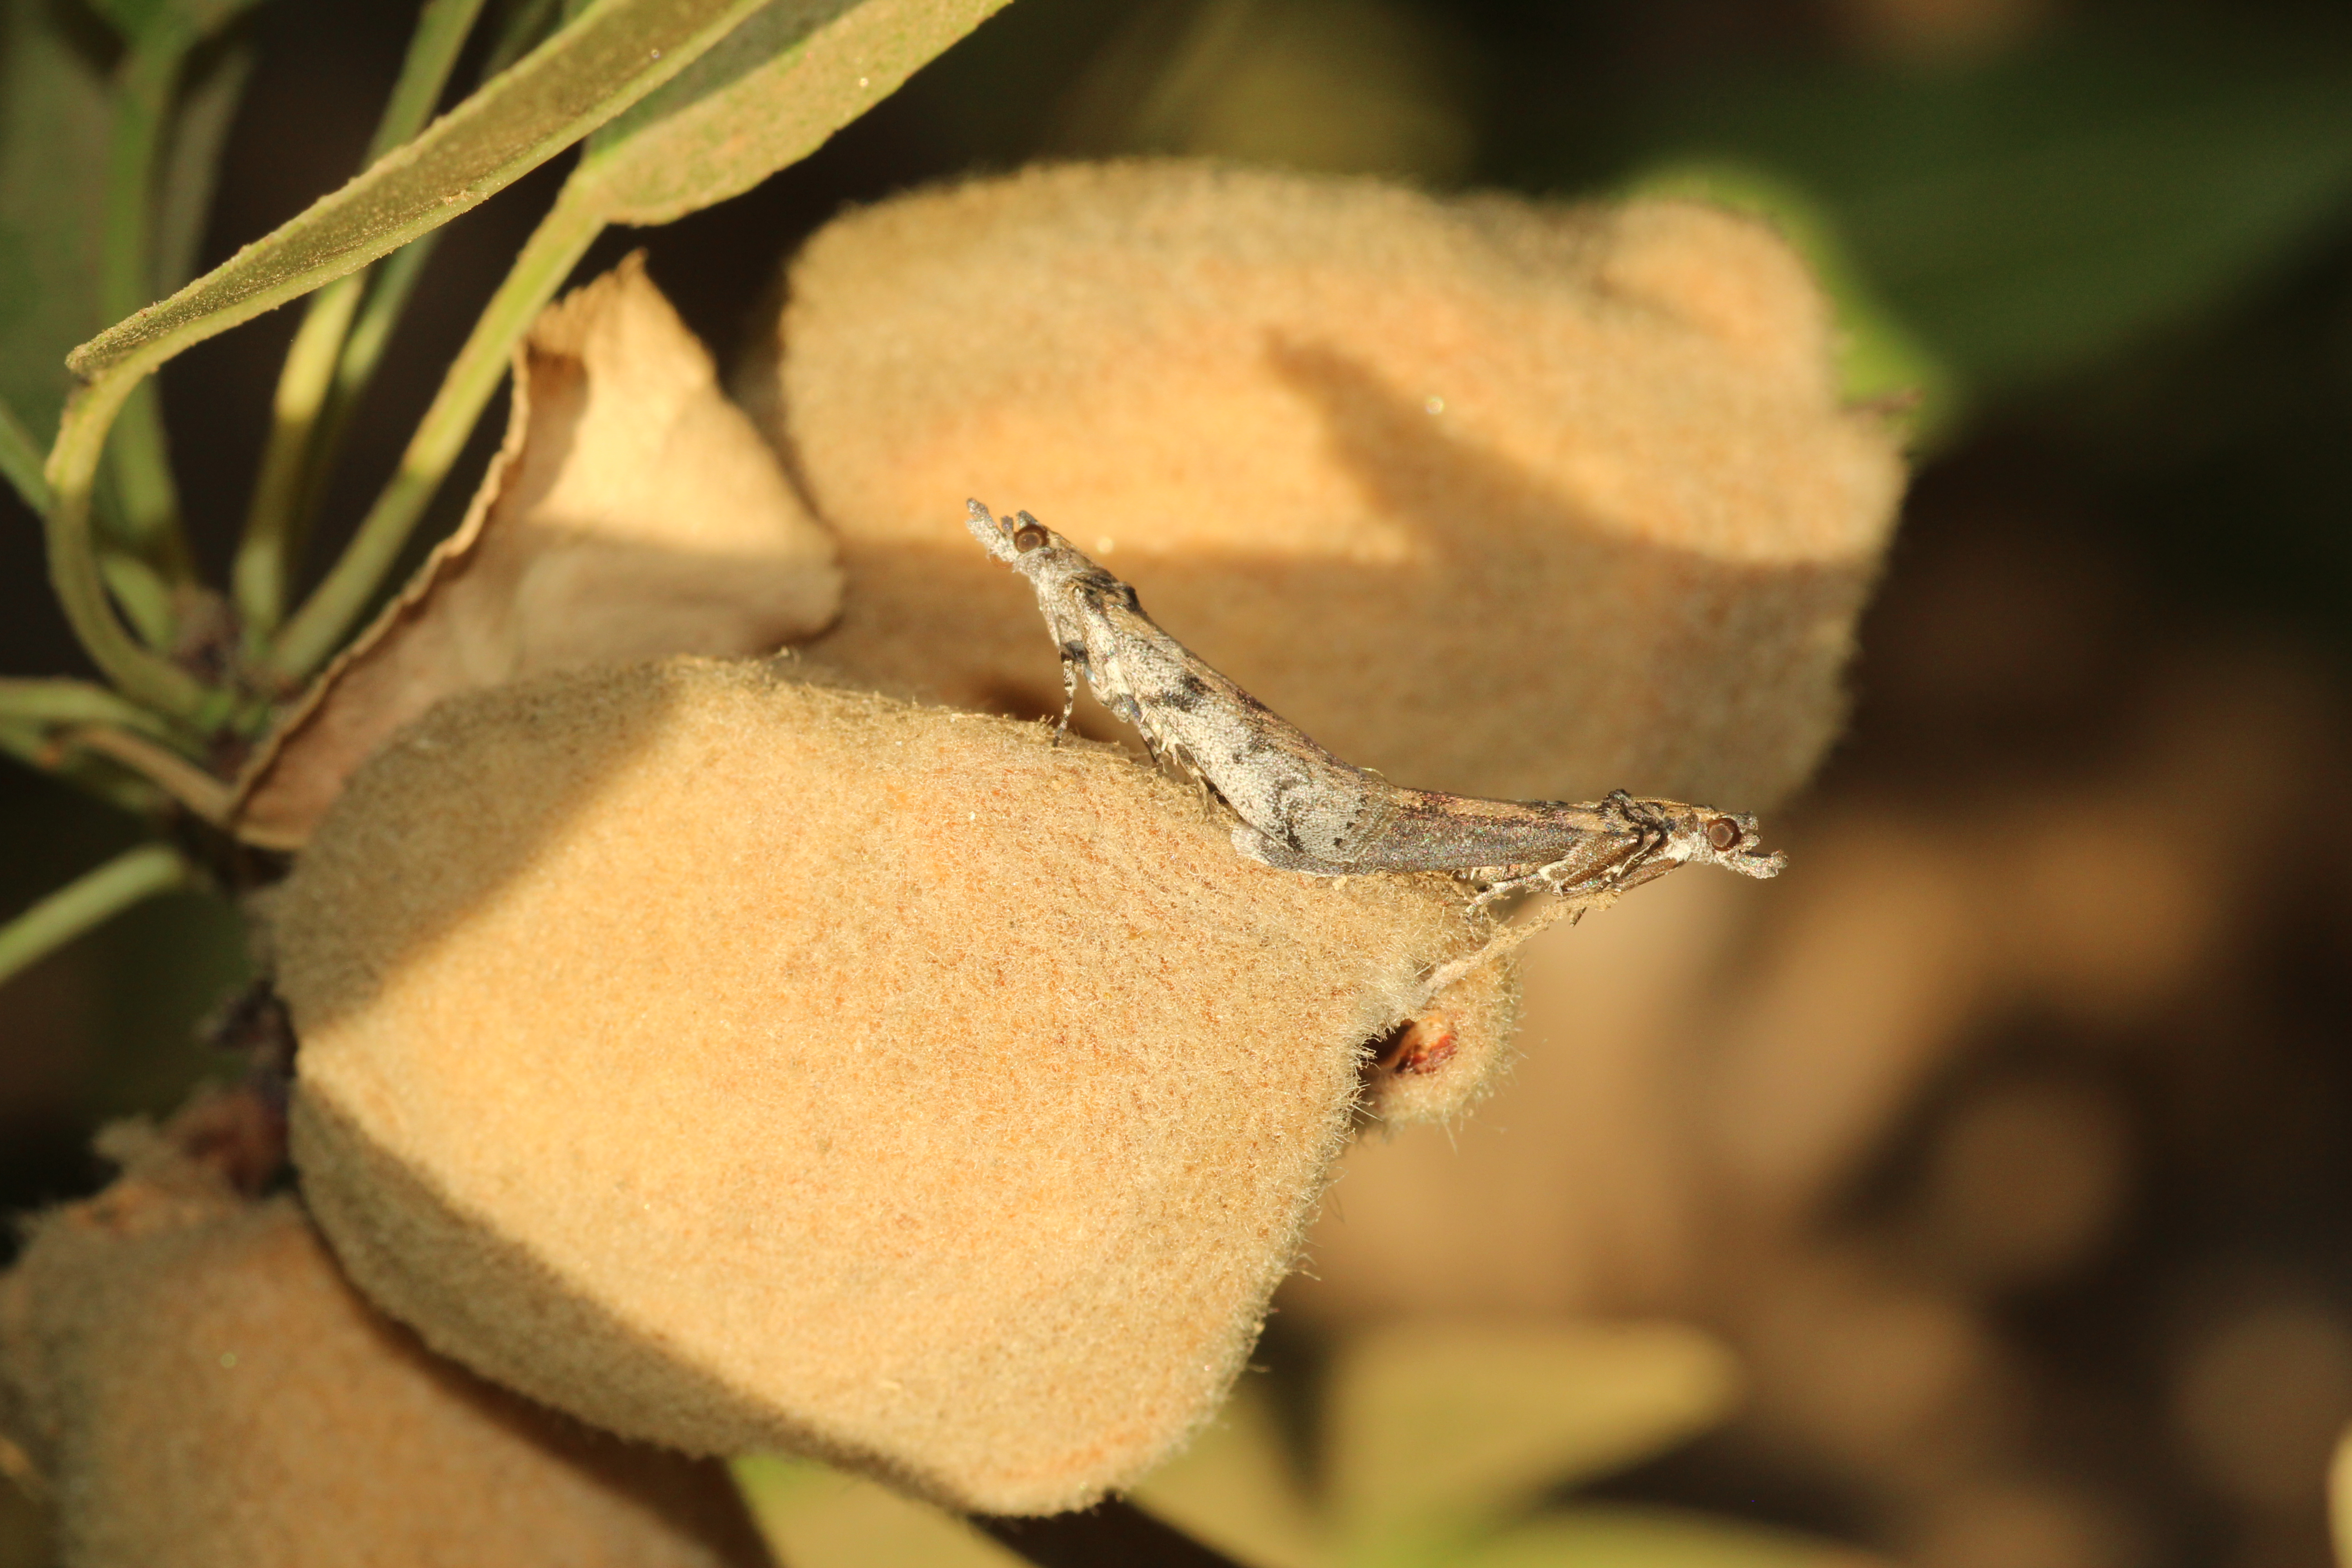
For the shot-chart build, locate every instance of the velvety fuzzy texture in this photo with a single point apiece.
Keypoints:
(200, 1387)
(1498, 497)
(737, 1063)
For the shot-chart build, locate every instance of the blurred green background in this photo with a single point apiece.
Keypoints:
(2101, 252)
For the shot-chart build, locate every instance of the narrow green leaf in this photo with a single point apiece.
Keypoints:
(143, 594)
(521, 28)
(89, 900)
(1436, 1431)
(792, 75)
(1237, 1488)
(327, 616)
(271, 547)
(772, 91)
(1636, 1537)
(80, 577)
(614, 54)
(55, 121)
(148, 21)
(810, 1513)
(442, 29)
(35, 745)
(20, 460)
(139, 458)
(63, 701)
(2030, 214)
(200, 124)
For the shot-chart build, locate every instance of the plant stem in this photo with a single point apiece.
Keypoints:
(146, 599)
(76, 702)
(556, 245)
(391, 283)
(143, 473)
(32, 745)
(144, 676)
(442, 29)
(274, 526)
(91, 899)
(272, 544)
(527, 22)
(20, 460)
(201, 792)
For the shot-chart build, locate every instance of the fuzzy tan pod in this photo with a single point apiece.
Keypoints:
(1501, 498)
(741, 1064)
(202, 1387)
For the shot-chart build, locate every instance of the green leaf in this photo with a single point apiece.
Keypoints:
(773, 90)
(303, 423)
(1436, 1431)
(1625, 1537)
(54, 122)
(89, 900)
(65, 702)
(614, 54)
(1237, 1488)
(146, 21)
(200, 123)
(815, 1517)
(2033, 213)
(20, 460)
(792, 75)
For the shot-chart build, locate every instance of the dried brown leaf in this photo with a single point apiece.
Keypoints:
(633, 512)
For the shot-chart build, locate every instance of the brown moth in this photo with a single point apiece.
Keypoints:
(1303, 809)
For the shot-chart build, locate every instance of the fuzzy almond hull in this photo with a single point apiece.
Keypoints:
(741, 1064)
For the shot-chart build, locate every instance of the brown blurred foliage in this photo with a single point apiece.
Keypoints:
(1987, 1135)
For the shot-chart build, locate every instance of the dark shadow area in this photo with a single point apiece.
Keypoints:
(1113, 1532)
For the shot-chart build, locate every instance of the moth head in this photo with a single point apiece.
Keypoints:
(995, 537)
(1732, 842)
(1010, 538)
(1700, 834)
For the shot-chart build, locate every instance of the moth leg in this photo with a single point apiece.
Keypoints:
(1550, 879)
(1269, 851)
(1074, 659)
(1507, 886)
(1652, 827)
(1176, 758)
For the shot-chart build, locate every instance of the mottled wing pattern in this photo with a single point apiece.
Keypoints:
(1309, 810)
(1304, 809)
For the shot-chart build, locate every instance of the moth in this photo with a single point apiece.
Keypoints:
(1303, 809)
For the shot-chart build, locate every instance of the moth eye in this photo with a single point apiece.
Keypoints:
(1028, 537)
(1723, 833)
